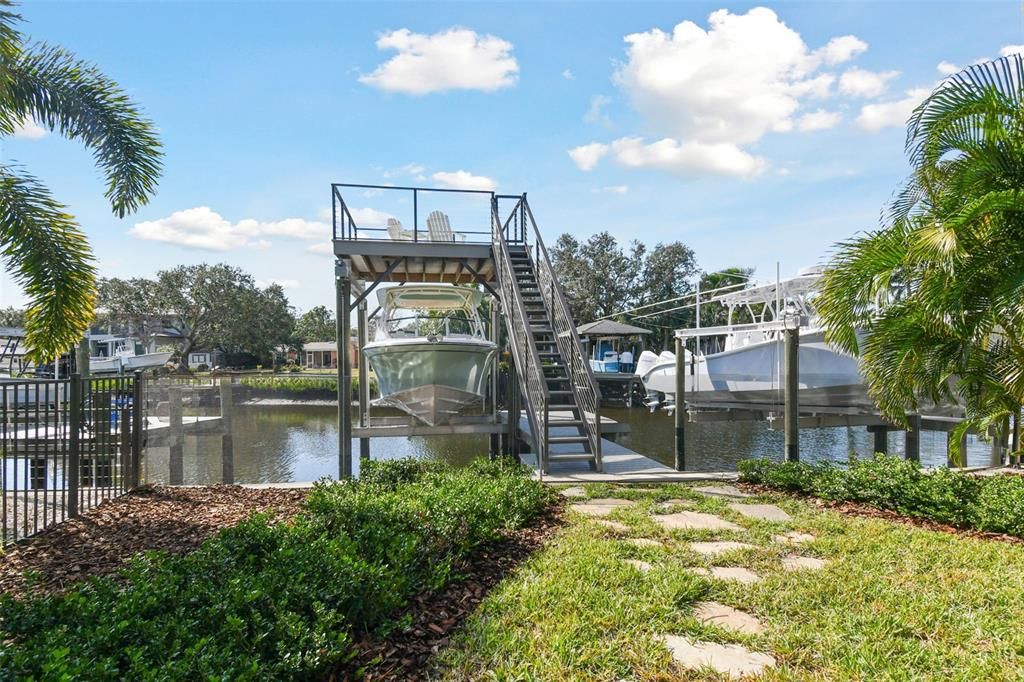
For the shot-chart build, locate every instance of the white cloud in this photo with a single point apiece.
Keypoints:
(818, 120)
(414, 169)
(30, 130)
(611, 189)
(863, 83)
(596, 114)
(321, 249)
(874, 117)
(842, 49)
(732, 83)
(203, 228)
(1011, 49)
(461, 179)
(947, 68)
(568, 75)
(456, 59)
(687, 158)
(586, 156)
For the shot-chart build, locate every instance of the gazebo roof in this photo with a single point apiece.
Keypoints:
(610, 328)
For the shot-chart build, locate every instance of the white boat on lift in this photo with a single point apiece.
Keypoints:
(430, 354)
(748, 368)
(118, 355)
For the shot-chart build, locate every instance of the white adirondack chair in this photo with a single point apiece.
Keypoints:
(440, 228)
(396, 232)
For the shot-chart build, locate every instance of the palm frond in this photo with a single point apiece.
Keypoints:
(73, 98)
(52, 261)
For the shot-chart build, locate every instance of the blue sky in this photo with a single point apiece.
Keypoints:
(754, 133)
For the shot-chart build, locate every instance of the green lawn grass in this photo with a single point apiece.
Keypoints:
(895, 602)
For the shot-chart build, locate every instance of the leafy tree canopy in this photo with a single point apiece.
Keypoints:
(316, 324)
(217, 307)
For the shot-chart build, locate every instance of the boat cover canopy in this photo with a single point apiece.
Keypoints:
(610, 328)
(429, 297)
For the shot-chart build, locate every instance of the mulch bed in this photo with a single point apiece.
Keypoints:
(171, 519)
(867, 511)
(406, 655)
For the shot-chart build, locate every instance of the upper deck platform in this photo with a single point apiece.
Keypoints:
(414, 234)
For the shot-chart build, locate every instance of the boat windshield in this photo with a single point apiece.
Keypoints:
(412, 322)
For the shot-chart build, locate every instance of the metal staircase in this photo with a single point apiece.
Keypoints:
(559, 394)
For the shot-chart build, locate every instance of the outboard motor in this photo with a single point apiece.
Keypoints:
(644, 363)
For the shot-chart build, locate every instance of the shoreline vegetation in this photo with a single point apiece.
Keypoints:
(276, 600)
(322, 387)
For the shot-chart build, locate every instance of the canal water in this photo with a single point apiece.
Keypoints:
(280, 443)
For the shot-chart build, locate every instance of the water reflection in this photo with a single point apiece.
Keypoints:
(300, 443)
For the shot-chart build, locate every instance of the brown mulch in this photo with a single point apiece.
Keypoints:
(405, 655)
(867, 511)
(100, 541)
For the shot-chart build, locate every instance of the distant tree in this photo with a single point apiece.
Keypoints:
(715, 314)
(316, 324)
(600, 278)
(12, 317)
(217, 307)
(42, 245)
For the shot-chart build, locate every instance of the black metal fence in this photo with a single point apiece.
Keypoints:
(67, 445)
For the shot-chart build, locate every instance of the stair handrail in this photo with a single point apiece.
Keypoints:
(582, 381)
(527, 359)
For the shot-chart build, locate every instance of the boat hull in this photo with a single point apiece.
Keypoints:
(128, 363)
(431, 380)
(752, 374)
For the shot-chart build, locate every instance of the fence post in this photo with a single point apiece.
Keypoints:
(138, 405)
(176, 473)
(227, 445)
(74, 442)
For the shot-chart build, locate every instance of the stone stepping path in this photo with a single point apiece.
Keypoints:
(734, 573)
(802, 563)
(793, 537)
(643, 542)
(575, 491)
(725, 659)
(688, 520)
(716, 548)
(669, 504)
(641, 566)
(601, 506)
(713, 613)
(722, 491)
(762, 512)
(614, 525)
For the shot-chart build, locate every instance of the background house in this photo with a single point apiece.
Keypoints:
(324, 354)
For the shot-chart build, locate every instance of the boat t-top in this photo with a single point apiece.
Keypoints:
(430, 353)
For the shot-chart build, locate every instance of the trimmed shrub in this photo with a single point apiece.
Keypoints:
(991, 503)
(264, 601)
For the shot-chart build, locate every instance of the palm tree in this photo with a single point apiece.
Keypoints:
(43, 247)
(939, 289)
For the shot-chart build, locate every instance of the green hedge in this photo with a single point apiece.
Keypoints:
(262, 601)
(303, 384)
(989, 503)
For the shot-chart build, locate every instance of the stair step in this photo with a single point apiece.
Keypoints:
(560, 391)
(562, 440)
(571, 457)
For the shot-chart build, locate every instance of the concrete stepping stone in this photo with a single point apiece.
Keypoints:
(641, 566)
(716, 548)
(713, 613)
(763, 512)
(688, 520)
(734, 573)
(722, 491)
(644, 542)
(600, 506)
(614, 525)
(575, 491)
(793, 537)
(668, 504)
(732, 660)
(802, 563)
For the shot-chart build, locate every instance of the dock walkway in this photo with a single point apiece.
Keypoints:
(621, 465)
